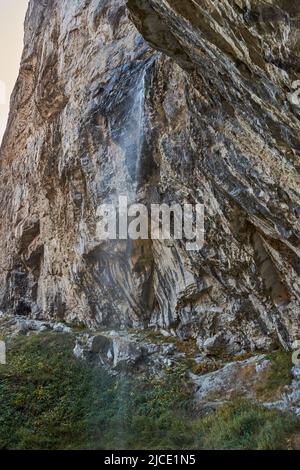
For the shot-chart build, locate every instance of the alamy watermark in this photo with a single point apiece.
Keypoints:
(2, 352)
(296, 353)
(161, 222)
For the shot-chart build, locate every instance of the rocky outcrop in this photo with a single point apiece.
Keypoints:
(265, 380)
(206, 111)
(234, 379)
(116, 351)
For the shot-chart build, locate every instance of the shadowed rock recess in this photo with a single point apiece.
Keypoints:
(194, 101)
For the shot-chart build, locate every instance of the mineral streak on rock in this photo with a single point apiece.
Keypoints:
(193, 101)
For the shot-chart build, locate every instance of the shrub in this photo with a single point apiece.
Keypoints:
(245, 425)
(276, 377)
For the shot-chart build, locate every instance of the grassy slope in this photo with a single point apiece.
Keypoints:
(50, 400)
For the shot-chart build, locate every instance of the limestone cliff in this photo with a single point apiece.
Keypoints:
(165, 101)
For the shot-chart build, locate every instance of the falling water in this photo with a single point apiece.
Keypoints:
(133, 133)
(140, 116)
(130, 140)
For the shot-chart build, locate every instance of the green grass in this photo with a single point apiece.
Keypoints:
(242, 425)
(277, 377)
(51, 400)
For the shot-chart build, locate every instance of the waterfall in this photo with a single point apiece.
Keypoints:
(139, 113)
(131, 135)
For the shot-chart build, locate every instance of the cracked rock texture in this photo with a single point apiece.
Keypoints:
(193, 101)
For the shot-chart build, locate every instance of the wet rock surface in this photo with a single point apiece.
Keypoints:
(120, 352)
(206, 111)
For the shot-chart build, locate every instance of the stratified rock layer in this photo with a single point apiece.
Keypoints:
(208, 113)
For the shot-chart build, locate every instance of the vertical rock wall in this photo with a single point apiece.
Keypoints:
(206, 111)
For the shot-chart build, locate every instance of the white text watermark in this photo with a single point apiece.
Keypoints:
(2, 352)
(161, 222)
(296, 353)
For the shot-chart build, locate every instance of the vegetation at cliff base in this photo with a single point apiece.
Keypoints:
(51, 400)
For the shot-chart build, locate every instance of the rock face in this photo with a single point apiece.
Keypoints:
(206, 111)
(235, 378)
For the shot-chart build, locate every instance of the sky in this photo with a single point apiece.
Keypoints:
(12, 15)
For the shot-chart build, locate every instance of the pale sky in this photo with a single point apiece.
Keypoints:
(12, 14)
